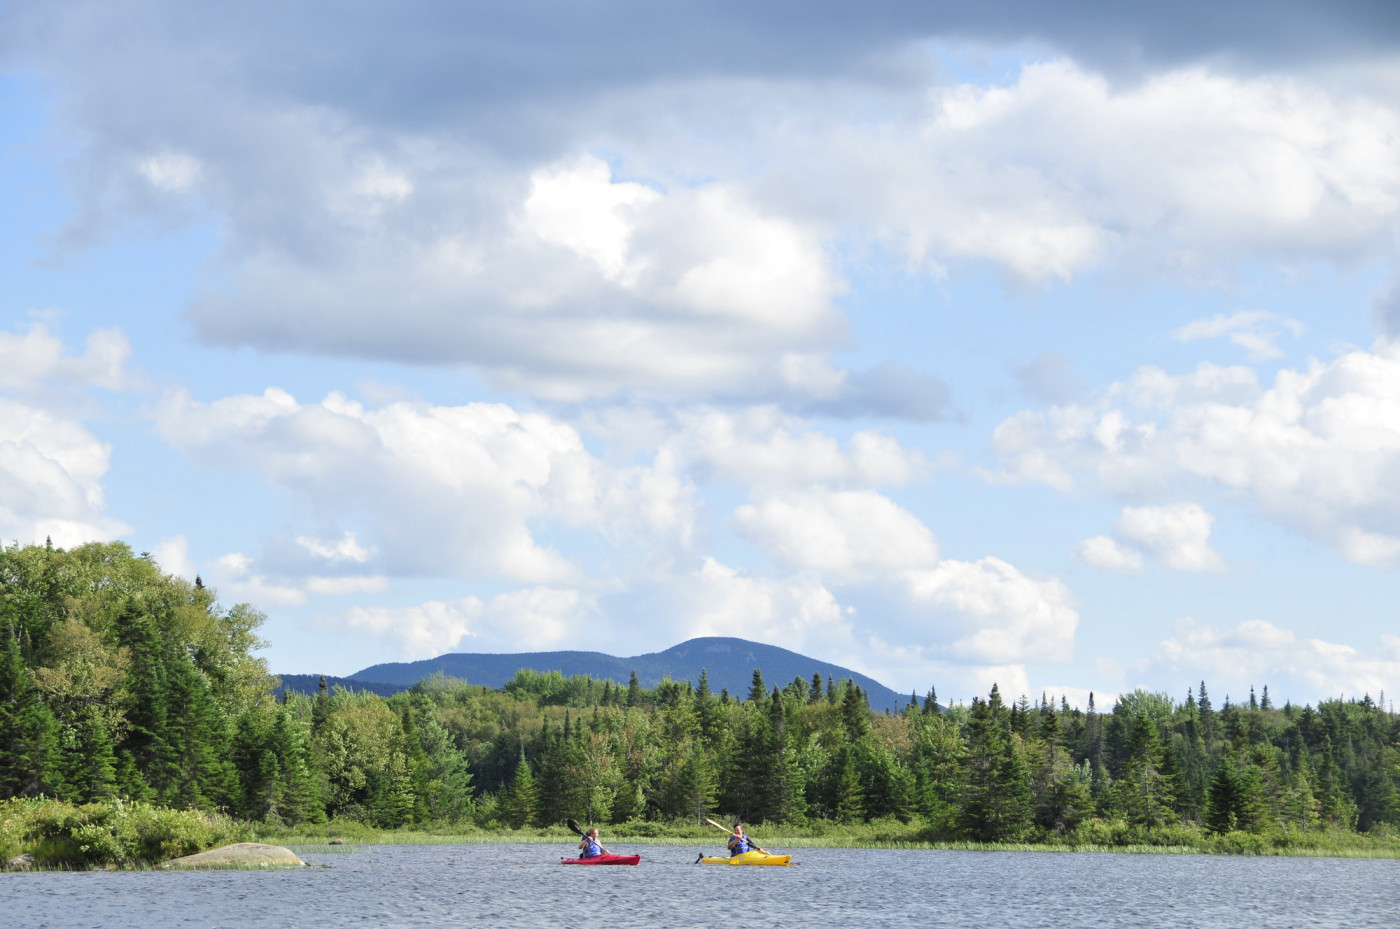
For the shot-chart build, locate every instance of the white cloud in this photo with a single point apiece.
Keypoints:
(1058, 170)
(1318, 450)
(346, 548)
(51, 472)
(458, 490)
(1258, 653)
(846, 534)
(237, 580)
(579, 207)
(532, 619)
(760, 446)
(34, 357)
(1109, 555)
(557, 280)
(1177, 535)
(995, 613)
(173, 556)
(1256, 331)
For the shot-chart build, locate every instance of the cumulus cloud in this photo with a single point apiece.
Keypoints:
(997, 614)
(1109, 555)
(760, 446)
(36, 357)
(51, 471)
(842, 534)
(455, 490)
(1257, 653)
(1317, 451)
(803, 614)
(1177, 535)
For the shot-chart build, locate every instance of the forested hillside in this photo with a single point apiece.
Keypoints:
(116, 680)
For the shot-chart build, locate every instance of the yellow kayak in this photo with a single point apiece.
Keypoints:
(747, 858)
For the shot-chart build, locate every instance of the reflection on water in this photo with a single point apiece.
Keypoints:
(524, 885)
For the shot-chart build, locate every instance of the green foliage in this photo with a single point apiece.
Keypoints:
(65, 835)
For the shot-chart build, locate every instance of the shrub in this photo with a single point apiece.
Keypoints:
(116, 832)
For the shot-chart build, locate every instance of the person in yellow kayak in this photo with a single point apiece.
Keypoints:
(740, 842)
(589, 846)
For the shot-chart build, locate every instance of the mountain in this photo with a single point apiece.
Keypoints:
(729, 664)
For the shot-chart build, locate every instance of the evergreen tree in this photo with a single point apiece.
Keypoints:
(1227, 810)
(520, 805)
(758, 692)
(855, 713)
(1144, 792)
(996, 802)
(706, 712)
(30, 753)
(850, 798)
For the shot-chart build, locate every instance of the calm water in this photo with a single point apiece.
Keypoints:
(465, 887)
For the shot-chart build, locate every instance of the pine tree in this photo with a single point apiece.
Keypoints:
(634, 691)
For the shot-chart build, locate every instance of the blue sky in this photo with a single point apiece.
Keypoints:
(1050, 345)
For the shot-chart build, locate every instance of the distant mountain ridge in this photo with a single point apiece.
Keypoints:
(729, 664)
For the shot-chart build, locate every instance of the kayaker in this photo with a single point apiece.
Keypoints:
(588, 845)
(739, 842)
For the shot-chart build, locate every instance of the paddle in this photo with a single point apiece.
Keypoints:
(756, 846)
(575, 826)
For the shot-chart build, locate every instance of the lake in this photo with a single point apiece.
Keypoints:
(471, 886)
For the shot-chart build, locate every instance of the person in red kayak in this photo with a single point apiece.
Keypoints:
(588, 845)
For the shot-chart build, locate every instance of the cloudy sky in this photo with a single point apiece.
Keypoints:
(1056, 345)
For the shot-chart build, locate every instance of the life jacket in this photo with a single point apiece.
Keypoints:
(592, 849)
(741, 845)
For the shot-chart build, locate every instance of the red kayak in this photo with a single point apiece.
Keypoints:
(603, 859)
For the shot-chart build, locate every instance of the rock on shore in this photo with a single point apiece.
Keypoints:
(247, 855)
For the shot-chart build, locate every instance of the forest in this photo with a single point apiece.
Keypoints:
(119, 681)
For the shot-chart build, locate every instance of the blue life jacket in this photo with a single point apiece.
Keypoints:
(592, 849)
(740, 845)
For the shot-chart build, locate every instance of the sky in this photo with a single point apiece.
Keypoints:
(1049, 345)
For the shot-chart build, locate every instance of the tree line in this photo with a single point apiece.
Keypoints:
(119, 681)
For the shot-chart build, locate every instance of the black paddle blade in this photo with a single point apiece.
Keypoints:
(574, 826)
